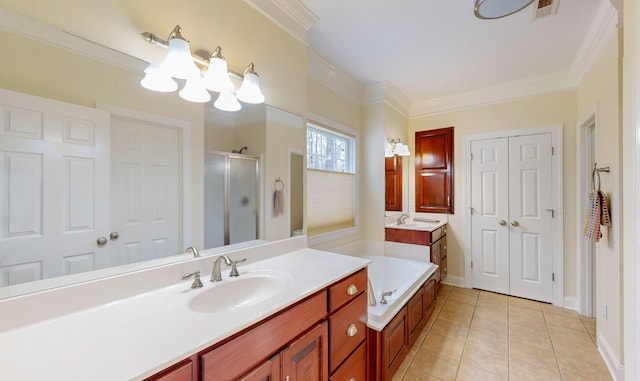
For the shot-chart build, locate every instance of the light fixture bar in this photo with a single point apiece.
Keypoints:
(157, 41)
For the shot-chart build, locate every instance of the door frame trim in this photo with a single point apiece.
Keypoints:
(557, 194)
(186, 238)
(585, 256)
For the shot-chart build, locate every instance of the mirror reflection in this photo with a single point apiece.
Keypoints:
(99, 172)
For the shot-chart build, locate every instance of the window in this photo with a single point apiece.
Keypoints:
(331, 180)
(330, 151)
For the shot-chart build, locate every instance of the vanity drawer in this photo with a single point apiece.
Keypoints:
(347, 289)
(347, 329)
(355, 368)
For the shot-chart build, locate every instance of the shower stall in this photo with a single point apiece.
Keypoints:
(231, 194)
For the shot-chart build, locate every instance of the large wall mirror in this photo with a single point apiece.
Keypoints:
(124, 169)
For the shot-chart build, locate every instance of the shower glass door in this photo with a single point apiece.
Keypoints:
(230, 202)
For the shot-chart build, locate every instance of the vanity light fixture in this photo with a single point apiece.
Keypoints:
(181, 64)
(495, 9)
(395, 147)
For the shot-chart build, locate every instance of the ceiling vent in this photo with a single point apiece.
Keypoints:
(545, 8)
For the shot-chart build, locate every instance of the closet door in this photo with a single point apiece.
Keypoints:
(489, 215)
(511, 227)
(530, 199)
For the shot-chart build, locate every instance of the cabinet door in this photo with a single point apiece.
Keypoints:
(269, 371)
(434, 171)
(436, 258)
(307, 359)
(393, 183)
(395, 344)
(415, 312)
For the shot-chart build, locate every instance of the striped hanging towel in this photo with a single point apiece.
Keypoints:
(598, 214)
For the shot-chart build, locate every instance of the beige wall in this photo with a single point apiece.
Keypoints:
(598, 92)
(553, 109)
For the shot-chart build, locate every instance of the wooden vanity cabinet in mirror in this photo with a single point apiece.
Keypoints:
(393, 183)
(434, 171)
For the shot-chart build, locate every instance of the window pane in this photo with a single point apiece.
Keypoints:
(329, 151)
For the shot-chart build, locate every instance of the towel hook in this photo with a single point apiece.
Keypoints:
(280, 183)
(596, 172)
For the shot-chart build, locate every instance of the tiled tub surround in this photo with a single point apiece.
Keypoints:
(133, 325)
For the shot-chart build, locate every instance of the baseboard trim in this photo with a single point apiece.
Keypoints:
(615, 368)
(457, 281)
(570, 303)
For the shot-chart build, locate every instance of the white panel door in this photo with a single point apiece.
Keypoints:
(530, 200)
(511, 226)
(54, 188)
(145, 190)
(490, 235)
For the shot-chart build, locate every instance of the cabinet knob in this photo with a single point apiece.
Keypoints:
(352, 379)
(101, 241)
(352, 289)
(514, 223)
(352, 330)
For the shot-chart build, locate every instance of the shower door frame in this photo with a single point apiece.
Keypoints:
(227, 191)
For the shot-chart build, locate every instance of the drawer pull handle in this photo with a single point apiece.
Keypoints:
(352, 289)
(352, 330)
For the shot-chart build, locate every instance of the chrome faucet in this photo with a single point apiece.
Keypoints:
(216, 276)
(196, 281)
(193, 250)
(402, 219)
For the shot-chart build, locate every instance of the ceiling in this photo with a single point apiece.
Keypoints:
(429, 49)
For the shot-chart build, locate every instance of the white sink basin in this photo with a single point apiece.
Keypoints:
(427, 226)
(234, 293)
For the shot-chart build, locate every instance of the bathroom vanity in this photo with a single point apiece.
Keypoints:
(431, 235)
(291, 310)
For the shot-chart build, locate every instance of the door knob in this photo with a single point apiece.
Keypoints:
(102, 241)
(514, 223)
(502, 222)
(114, 235)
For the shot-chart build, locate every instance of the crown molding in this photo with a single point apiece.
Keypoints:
(386, 92)
(291, 15)
(603, 27)
(43, 33)
(330, 76)
(495, 94)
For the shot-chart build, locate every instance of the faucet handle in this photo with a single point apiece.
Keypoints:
(197, 283)
(234, 270)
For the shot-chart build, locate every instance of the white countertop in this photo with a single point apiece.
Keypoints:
(135, 337)
(415, 224)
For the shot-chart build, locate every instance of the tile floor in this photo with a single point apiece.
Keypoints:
(478, 335)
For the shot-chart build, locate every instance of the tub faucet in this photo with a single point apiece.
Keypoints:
(402, 219)
(215, 273)
(384, 296)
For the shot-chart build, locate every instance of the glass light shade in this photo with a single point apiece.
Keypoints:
(388, 150)
(157, 80)
(179, 63)
(217, 76)
(227, 102)
(249, 91)
(194, 91)
(402, 150)
(495, 9)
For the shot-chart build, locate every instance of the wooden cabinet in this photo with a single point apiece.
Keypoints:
(307, 359)
(434, 171)
(389, 347)
(300, 343)
(436, 241)
(393, 183)
(183, 371)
